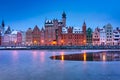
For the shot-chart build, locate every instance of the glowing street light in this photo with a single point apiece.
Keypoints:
(42, 41)
(35, 41)
(54, 42)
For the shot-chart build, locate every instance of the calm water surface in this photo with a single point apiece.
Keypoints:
(36, 65)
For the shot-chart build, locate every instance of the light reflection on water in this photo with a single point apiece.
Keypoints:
(36, 65)
(42, 57)
(15, 55)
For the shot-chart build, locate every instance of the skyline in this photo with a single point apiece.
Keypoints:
(20, 14)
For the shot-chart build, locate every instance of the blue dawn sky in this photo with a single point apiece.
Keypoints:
(21, 14)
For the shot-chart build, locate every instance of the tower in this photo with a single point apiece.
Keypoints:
(64, 19)
(84, 28)
(84, 32)
(2, 27)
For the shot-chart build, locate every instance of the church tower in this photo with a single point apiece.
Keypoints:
(84, 28)
(2, 27)
(84, 32)
(64, 19)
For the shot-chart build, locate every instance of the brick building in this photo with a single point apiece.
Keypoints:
(36, 36)
(73, 36)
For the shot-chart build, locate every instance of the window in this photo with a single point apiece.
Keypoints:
(116, 35)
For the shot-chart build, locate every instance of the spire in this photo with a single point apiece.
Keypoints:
(63, 15)
(3, 24)
(42, 29)
(84, 24)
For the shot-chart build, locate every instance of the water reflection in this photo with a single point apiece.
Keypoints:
(34, 55)
(84, 55)
(15, 55)
(54, 57)
(98, 56)
(62, 57)
(42, 56)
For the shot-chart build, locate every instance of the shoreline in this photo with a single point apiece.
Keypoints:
(62, 48)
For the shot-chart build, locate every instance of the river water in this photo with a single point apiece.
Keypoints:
(36, 65)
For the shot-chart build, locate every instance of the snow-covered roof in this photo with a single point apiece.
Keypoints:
(76, 30)
(14, 32)
(64, 30)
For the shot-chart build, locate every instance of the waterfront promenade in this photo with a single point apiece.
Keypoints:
(58, 47)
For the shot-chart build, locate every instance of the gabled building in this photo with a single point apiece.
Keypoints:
(19, 38)
(116, 37)
(29, 37)
(23, 33)
(8, 31)
(42, 37)
(36, 40)
(71, 36)
(52, 29)
(2, 31)
(109, 34)
(96, 37)
(89, 36)
(102, 36)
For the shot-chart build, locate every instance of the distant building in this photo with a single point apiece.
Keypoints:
(42, 37)
(116, 37)
(51, 30)
(6, 40)
(96, 37)
(8, 31)
(109, 34)
(0, 38)
(13, 38)
(102, 36)
(36, 36)
(89, 36)
(29, 37)
(19, 39)
(23, 33)
(73, 36)
(2, 31)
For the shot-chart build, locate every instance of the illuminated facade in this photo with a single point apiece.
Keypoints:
(56, 33)
(96, 37)
(116, 37)
(109, 34)
(29, 37)
(89, 36)
(36, 36)
(102, 36)
(52, 30)
(71, 36)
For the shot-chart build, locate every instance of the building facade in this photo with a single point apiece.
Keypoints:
(52, 29)
(109, 34)
(36, 36)
(102, 36)
(73, 36)
(116, 37)
(89, 36)
(96, 37)
(29, 37)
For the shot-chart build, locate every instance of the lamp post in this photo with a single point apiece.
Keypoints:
(62, 42)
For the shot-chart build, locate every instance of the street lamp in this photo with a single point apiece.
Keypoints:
(62, 41)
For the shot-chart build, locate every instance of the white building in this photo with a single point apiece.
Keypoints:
(6, 40)
(96, 37)
(116, 37)
(109, 34)
(13, 37)
(102, 37)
